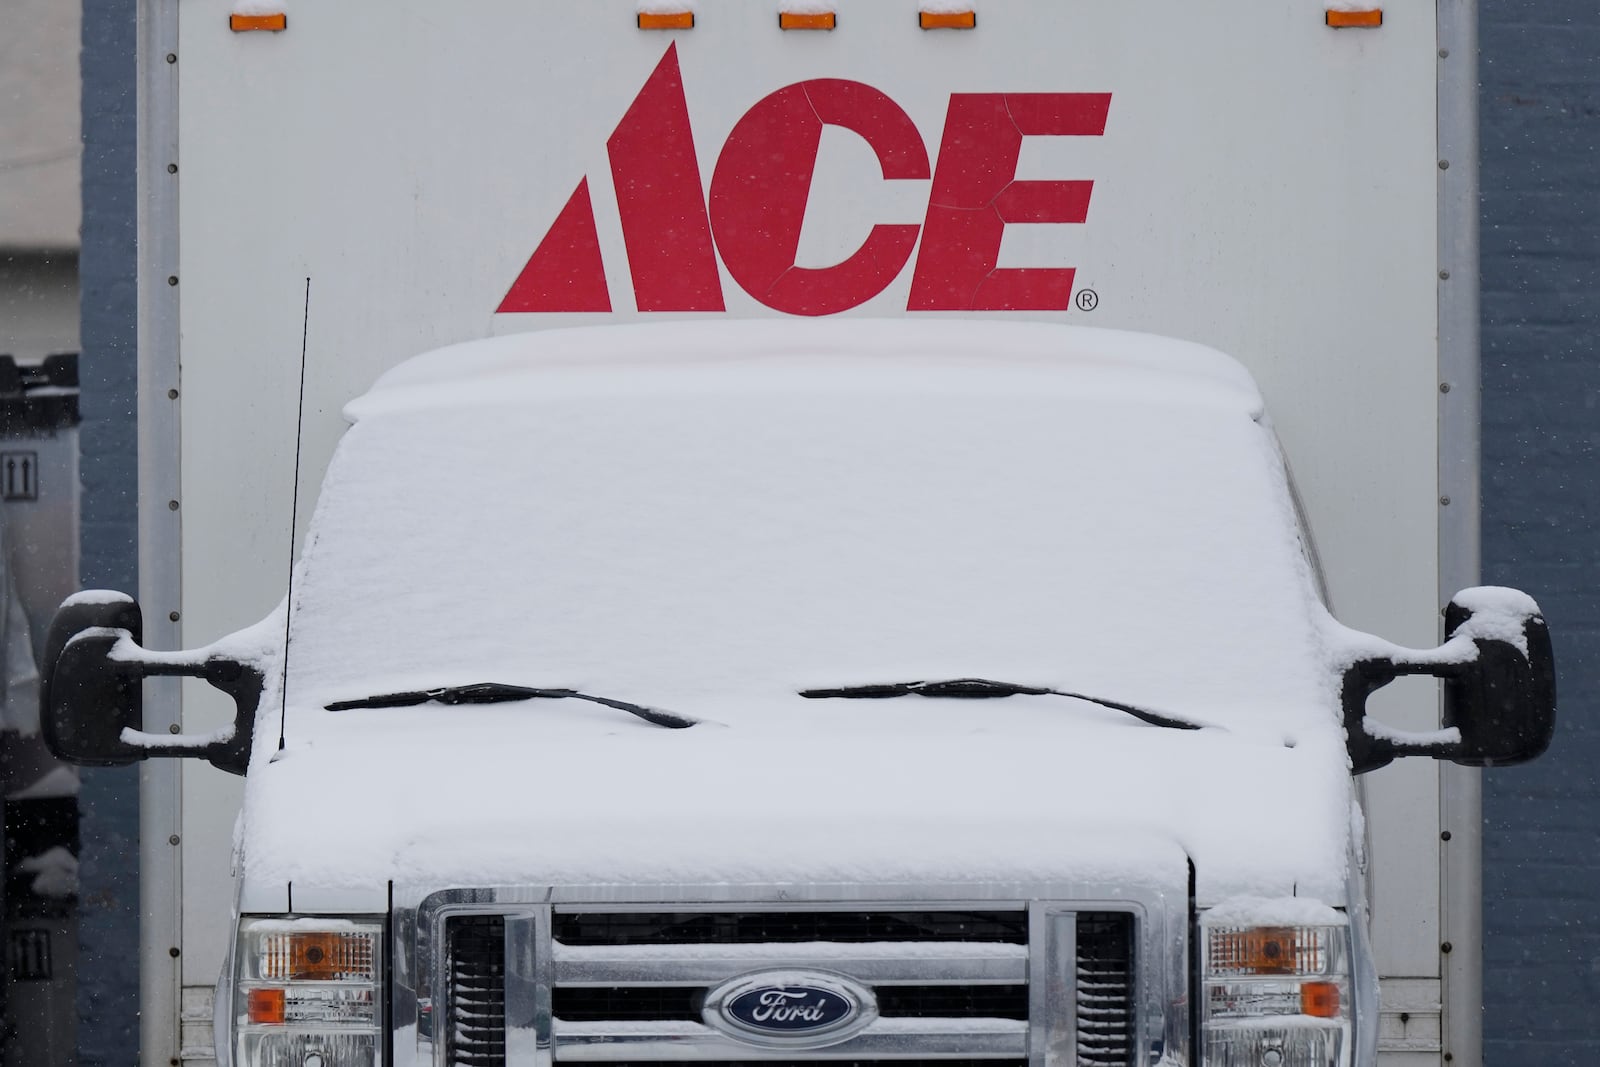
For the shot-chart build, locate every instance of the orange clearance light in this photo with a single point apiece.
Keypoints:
(666, 20)
(1345, 20)
(947, 20)
(794, 20)
(243, 23)
(265, 1006)
(1320, 999)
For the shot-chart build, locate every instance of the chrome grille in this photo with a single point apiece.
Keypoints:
(952, 986)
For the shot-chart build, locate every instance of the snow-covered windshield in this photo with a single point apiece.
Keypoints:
(711, 520)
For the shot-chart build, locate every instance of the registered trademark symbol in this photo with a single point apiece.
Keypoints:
(1088, 300)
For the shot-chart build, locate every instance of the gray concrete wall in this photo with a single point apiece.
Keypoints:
(109, 981)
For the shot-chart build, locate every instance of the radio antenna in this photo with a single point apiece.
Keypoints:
(294, 516)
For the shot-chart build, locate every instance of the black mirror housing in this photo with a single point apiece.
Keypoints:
(92, 710)
(91, 740)
(1507, 714)
(1498, 670)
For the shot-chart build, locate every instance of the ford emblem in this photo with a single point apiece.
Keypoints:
(790, 1008)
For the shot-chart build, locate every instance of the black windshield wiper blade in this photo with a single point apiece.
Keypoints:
(501, 692)
(986, 689)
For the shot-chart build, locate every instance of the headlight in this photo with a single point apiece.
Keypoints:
(1275, 996)
(309, 992)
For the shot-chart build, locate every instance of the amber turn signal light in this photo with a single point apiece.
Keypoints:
(1345, 20)
(794, 20)
(666, 20)
(265, 1006)
(947, 20)
(1320, 999)
(244, 23)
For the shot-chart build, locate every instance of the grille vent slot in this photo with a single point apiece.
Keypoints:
(1105, 988)
(777, 927)
(952, 1002)
(941, 1062)
(683, 1003)
(474, 1030)
(628, 1003)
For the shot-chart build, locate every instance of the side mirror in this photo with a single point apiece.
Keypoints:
(92, 706)
(109, 701)
(1499, 680)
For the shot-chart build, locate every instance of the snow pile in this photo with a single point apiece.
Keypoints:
(319, 924)
(259, 644)
(55, 873)
(260, 7)
(709, 518)
(1273, 911)
(665, 7)
(1497, 614)
(96, 597)
(944, 7)
(144, 739)
(806, 7)
(1373, 728)
(60, 782)
(944, 791)
(671, 532)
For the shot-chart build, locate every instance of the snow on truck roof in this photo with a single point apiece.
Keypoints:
(1096, 358)
(710, 519)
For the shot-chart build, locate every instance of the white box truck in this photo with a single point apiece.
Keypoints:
(1100, 806)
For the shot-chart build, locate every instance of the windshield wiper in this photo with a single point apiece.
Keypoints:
(500, 693)
(985, 689)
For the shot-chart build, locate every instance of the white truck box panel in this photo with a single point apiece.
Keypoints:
(1264, 185)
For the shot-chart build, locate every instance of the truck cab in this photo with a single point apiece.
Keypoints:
(875, 691)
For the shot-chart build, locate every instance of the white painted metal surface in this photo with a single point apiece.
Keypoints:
(1263, 184)
(161, 944)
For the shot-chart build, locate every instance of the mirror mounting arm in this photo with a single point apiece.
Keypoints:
(1370, 743)
(227, 749)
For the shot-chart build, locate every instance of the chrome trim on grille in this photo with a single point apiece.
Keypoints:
(883, 1039)
(529, 1027)
(878, 963)
(1052, 1035)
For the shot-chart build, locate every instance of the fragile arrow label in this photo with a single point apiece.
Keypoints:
(19, 475)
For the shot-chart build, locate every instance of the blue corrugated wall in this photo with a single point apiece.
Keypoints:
(108, 991)
(1540, 107)
(1541, 307)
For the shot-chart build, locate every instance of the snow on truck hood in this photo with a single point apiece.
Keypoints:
(709, 518)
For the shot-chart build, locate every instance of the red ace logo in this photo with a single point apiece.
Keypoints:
(759, 191)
